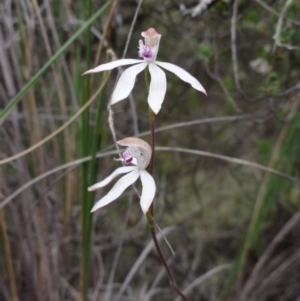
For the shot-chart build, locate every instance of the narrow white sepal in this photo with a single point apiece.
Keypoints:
(126, 82)
(118, 171)
(117, 189)
(183, 75)
(148, 192)
(158, 87)
(112, 65)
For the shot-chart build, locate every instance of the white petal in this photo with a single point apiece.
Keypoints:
(148, 191)
(158, 87)
(126, 82)
(118, 189)
(182, 74)
(118, 171)
(112, 65)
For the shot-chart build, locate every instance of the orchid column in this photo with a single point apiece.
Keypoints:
(139, 153)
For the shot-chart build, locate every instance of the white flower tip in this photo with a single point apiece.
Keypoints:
(148, 192)
(94, 209)
(196, 85)
(115, 99)
(199, 87)
(155, 110)
(146, 205)
(145, 209)
(92, 188)
(87, 72)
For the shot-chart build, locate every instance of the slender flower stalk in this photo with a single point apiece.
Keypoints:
(150, 212)
(158, 83)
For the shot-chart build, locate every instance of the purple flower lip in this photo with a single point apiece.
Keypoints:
(128, 160)
(128, 156)
(147, 54)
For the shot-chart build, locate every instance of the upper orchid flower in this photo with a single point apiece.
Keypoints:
(139, 154)
(158, 85)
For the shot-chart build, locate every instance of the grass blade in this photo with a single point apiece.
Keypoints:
(13, 102)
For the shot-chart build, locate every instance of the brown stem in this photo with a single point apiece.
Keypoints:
(162, 258)
(150, 214)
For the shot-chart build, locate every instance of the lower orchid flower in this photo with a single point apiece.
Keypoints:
(138, 152)
(158, 84)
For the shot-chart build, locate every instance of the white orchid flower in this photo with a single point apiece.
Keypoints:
(138, 152)
(158, 84)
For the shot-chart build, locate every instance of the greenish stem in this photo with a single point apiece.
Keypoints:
(87, 200)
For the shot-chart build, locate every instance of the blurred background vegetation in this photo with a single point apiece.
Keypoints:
(234, 229)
